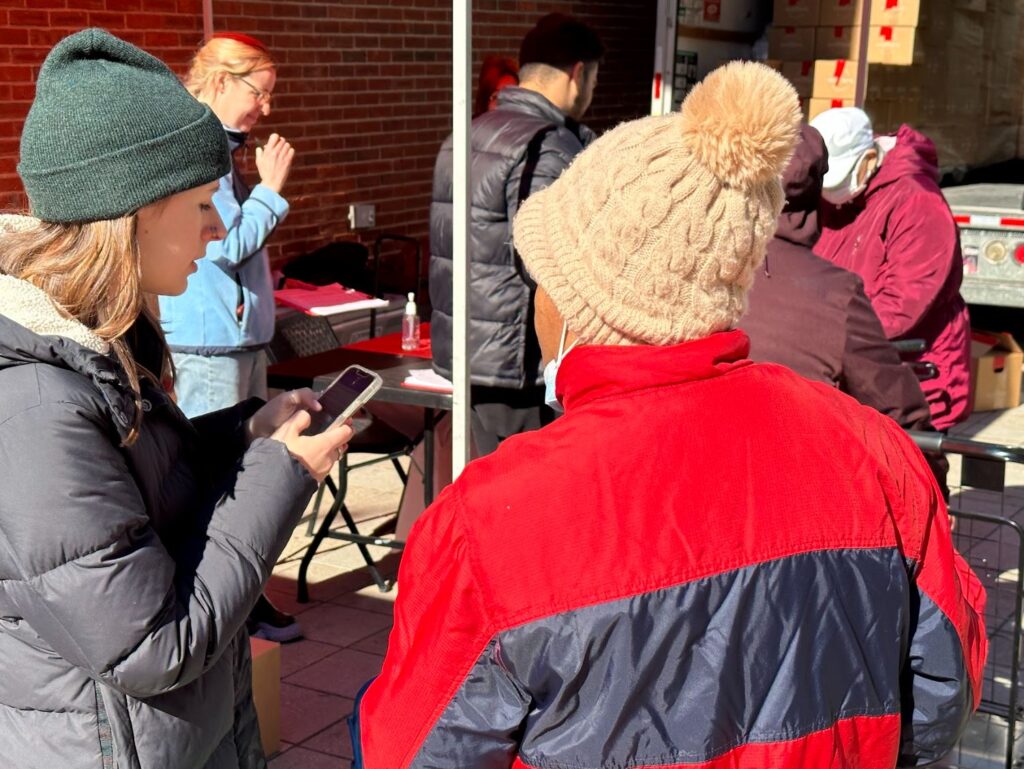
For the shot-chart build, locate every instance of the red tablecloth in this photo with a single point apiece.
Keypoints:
(392, 344)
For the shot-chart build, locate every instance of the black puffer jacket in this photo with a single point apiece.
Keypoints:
(126, 574)
(502, 346)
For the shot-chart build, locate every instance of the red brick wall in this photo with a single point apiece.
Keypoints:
(363, 89)
(29, 28)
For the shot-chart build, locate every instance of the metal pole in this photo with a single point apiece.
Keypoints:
(462, 56)
(860, 95)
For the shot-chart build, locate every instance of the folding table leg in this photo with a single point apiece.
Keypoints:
(321, 534)
(378, 578)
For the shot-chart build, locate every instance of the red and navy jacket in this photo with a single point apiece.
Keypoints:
(705, 562)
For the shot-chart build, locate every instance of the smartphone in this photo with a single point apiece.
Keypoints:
(353, 388)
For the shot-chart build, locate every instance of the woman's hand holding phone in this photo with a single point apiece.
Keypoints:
(317, 453)
(279, 410)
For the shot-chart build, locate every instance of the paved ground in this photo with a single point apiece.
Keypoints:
(348, 620)
(346, 624)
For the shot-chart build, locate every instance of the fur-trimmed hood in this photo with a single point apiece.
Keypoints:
(32, 308)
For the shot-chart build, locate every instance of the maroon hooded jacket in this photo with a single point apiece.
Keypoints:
(900, 237)
(814, 317)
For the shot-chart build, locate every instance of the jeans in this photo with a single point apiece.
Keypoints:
(206, 383)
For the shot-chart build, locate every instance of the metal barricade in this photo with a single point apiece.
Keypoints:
(988, 514)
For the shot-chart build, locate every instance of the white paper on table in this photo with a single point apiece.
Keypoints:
(428, 379)
(337, 309)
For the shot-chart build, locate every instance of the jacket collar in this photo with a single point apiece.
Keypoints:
(33, 331)
(516, 99)
(591, 373)
(32, 308)
(533, 103)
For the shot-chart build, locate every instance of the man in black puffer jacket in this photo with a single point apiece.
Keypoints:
(517, 149)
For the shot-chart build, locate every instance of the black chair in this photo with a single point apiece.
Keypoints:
(343, 261)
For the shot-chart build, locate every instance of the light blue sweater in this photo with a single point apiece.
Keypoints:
(235, 272)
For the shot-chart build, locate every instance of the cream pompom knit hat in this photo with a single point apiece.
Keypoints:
(653, 234)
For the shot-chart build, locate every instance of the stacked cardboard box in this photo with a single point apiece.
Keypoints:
(818, 44)
(951, 69)
(963, 89)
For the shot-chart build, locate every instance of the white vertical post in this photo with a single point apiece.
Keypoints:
(462, 57)
(861, 87)
(663, 84)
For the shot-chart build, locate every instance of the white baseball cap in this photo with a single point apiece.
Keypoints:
(848, 135)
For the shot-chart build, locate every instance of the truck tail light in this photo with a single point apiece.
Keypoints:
(1018, 253)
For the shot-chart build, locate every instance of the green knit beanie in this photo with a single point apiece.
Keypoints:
(112, 130)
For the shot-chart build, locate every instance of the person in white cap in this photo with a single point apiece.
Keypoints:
(885, 219)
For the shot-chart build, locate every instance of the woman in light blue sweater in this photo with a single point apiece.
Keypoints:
(219, 328)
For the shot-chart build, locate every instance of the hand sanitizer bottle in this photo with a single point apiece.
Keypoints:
(410, 325)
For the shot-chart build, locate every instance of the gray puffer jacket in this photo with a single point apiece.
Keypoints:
(502, 345)
(126, 574)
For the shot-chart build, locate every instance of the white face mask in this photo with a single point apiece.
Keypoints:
(551, 371)
(848, 189)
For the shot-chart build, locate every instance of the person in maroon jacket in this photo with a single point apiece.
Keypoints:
(810, 315)
(705, 562)
(885, 219)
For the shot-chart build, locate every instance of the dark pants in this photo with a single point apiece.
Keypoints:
(500, 412)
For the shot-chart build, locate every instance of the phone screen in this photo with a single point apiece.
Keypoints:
(342, 393)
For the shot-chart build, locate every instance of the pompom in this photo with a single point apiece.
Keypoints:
(742, 123)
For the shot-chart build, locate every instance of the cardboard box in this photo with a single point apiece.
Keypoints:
(837, 42)
(801, 75)
(847, 13)
(796, 13)
(891, 45)
(886, 45)
(266, 691)
(816, 106)
(995, 370)
(791, 43)
(834, 79)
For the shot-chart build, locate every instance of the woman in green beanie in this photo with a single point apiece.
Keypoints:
(133, 541)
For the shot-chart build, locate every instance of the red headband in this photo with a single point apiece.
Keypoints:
(240, 37)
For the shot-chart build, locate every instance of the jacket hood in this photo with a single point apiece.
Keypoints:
(801, 182)
(914, 154)
(34, 331)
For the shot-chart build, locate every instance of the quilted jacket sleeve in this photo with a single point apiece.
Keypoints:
(94, 580)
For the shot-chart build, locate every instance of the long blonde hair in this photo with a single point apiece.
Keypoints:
(225, 55)
(92, 273)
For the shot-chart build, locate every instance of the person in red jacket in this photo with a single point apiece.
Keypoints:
(682, 570)
(885, 219)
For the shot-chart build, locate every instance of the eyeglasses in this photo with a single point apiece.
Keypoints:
(262, 97)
